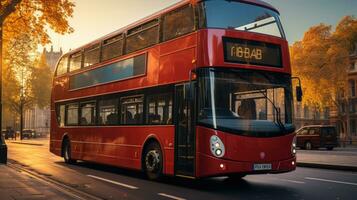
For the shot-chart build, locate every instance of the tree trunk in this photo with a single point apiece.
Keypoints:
(1, 25)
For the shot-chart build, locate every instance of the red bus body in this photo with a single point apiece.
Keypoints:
(168, 63)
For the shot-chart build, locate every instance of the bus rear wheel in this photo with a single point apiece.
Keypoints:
(153, 161)
(67, 154)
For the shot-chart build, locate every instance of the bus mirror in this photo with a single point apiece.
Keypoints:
(299, 93)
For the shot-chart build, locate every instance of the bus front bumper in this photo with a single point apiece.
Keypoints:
(212, 166)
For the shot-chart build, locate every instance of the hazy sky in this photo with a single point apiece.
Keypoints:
(95, 18)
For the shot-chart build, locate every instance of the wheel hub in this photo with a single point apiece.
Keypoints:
(152, 160)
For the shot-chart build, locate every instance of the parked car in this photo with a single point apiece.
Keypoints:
(3, 150)
(8, 133)
(316, 136)
(29, 133)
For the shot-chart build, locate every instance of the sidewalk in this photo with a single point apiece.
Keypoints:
(35, 142)
(16, 185)
(338, 159)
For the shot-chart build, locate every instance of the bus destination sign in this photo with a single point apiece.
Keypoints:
(252, 52)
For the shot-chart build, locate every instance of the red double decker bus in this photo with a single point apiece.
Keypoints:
(196, 90)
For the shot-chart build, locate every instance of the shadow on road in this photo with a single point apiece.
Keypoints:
(217, 186)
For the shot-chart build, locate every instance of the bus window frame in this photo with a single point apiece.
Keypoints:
(95, 117)
(132, 34)
(94, 47)
(75, 54)
(195, 16)
(66, 114)
(104, 44)
(143, 102)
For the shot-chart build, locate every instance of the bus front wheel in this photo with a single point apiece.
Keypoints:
(153, 161)
(67, 154)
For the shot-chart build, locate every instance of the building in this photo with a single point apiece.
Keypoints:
(352, 98)
(305, 115)
(35, 117)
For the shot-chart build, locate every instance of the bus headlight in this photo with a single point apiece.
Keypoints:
(217, 146)
(293, 146)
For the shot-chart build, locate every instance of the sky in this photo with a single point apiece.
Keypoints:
(95, 18)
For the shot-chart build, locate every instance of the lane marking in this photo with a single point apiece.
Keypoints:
(114, 182)
(170, 196)
(291, 181)
(331, 181)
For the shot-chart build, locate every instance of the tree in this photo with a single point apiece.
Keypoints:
(321, 60)
(24, 25)
(41, 80)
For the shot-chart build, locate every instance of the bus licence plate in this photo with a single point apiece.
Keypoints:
(260, 167)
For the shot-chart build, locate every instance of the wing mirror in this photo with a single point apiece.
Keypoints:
(298, 90)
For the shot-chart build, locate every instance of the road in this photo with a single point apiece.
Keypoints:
(105, 182)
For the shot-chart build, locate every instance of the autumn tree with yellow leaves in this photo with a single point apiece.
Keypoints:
(321, 60)
(24, 25)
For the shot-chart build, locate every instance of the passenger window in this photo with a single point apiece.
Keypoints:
(88, 113)
(62, 67)
(132, 110)
(112, 47)
(143, 36)
(159, 109)
(61, 111)
(313, 131)
(303, 132)
(75, 62)
(72, 114)
(178, 22)
(92, 55)
(108, 112)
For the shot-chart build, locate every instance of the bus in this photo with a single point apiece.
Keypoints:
(199, 89)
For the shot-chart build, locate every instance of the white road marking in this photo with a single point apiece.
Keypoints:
(114, 182)
(291, 181)
(170, 196)
(331, 181)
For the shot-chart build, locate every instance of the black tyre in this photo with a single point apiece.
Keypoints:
(236, 177)
(329, 148)
(153, 161)
(67, 154)
(308, 146)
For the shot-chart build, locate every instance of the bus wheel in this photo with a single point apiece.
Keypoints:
(67, 152)
(308, 146)
(329, 148)
(153, 161)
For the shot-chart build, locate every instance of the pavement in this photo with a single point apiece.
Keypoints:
(338, 159)
(107, 182)
(18, 185)
(35, 142)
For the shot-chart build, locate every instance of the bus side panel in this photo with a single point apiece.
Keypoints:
(119, 146)
(177, 58)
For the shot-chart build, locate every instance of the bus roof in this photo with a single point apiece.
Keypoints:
(157, 14)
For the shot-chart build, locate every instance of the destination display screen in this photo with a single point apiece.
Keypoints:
(252, 52)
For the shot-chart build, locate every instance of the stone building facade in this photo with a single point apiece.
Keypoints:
(35, 117)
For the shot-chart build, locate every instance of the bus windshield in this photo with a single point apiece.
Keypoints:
(240, 16)
(245, 102)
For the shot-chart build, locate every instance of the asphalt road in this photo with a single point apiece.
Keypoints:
(108, 182)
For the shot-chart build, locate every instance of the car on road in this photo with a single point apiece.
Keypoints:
(29, 133)
(316, 136)
(8, 133)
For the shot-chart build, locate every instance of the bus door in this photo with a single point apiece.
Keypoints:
(184, 132)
